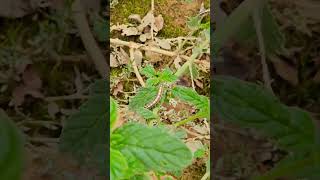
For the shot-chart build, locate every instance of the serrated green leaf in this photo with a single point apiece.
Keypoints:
(206, 27)
(167, 76)
(149, 71)
(113, 112)
(11, 149)
(146, 113)
(152, 82)
(251, 106)
(194, 22)
(192, 97)
(141, 177)
(188, 1)
(144, 96)
(152, 147)
(118, 165)
(116, 140)
(86, 130)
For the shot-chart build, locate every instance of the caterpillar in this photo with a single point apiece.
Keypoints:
(157, 99)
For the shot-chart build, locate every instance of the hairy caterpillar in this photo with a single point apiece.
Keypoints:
(157, 99)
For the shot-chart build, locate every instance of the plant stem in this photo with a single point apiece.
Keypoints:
(185, 66)
(191, 118)
(88, 40)
(135, 68)
(257, 15)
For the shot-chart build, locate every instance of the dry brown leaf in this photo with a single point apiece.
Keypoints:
(118, 27)
(118, 88)
(21, 66)
(31, 86)
(285, 71)
(203, 65)
(135, 17)
(31, 79)
(163, 43)
(15, 8)
(201, 129)
(177, 62)
(130, 31)
(124, 57)
(146, 21)
(137, 54)
(194, 145)
(17, 96)
(113, 61)
(53, 109)
(198, 83)
(158, 23)
(143, 38)
(153, 57)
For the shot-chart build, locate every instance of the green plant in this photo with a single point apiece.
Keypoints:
(148, 93)
(252, 106)
(136, 149)
(11, 151)
(86, 132)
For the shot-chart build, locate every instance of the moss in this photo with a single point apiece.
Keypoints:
(124, 9)
(170, 30)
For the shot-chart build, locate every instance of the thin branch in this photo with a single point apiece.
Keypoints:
(262, 49)
(142, 47)
(135, 68)
(152, 23)
(191, 75)
(88, 40)
(67, 97)
(191, 118)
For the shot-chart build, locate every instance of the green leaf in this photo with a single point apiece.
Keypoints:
(167, 76)
(86, 130)
(251, 106)
(154, 148)
(195, 72)
(11, 149)
(113, 112)
(148, 71)
(152, 82)
(146, 113)
(194, 22)
(192, 97)
(118, 165)
(141, 177)
(199, 153)
(144, 96)
(206, 26)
